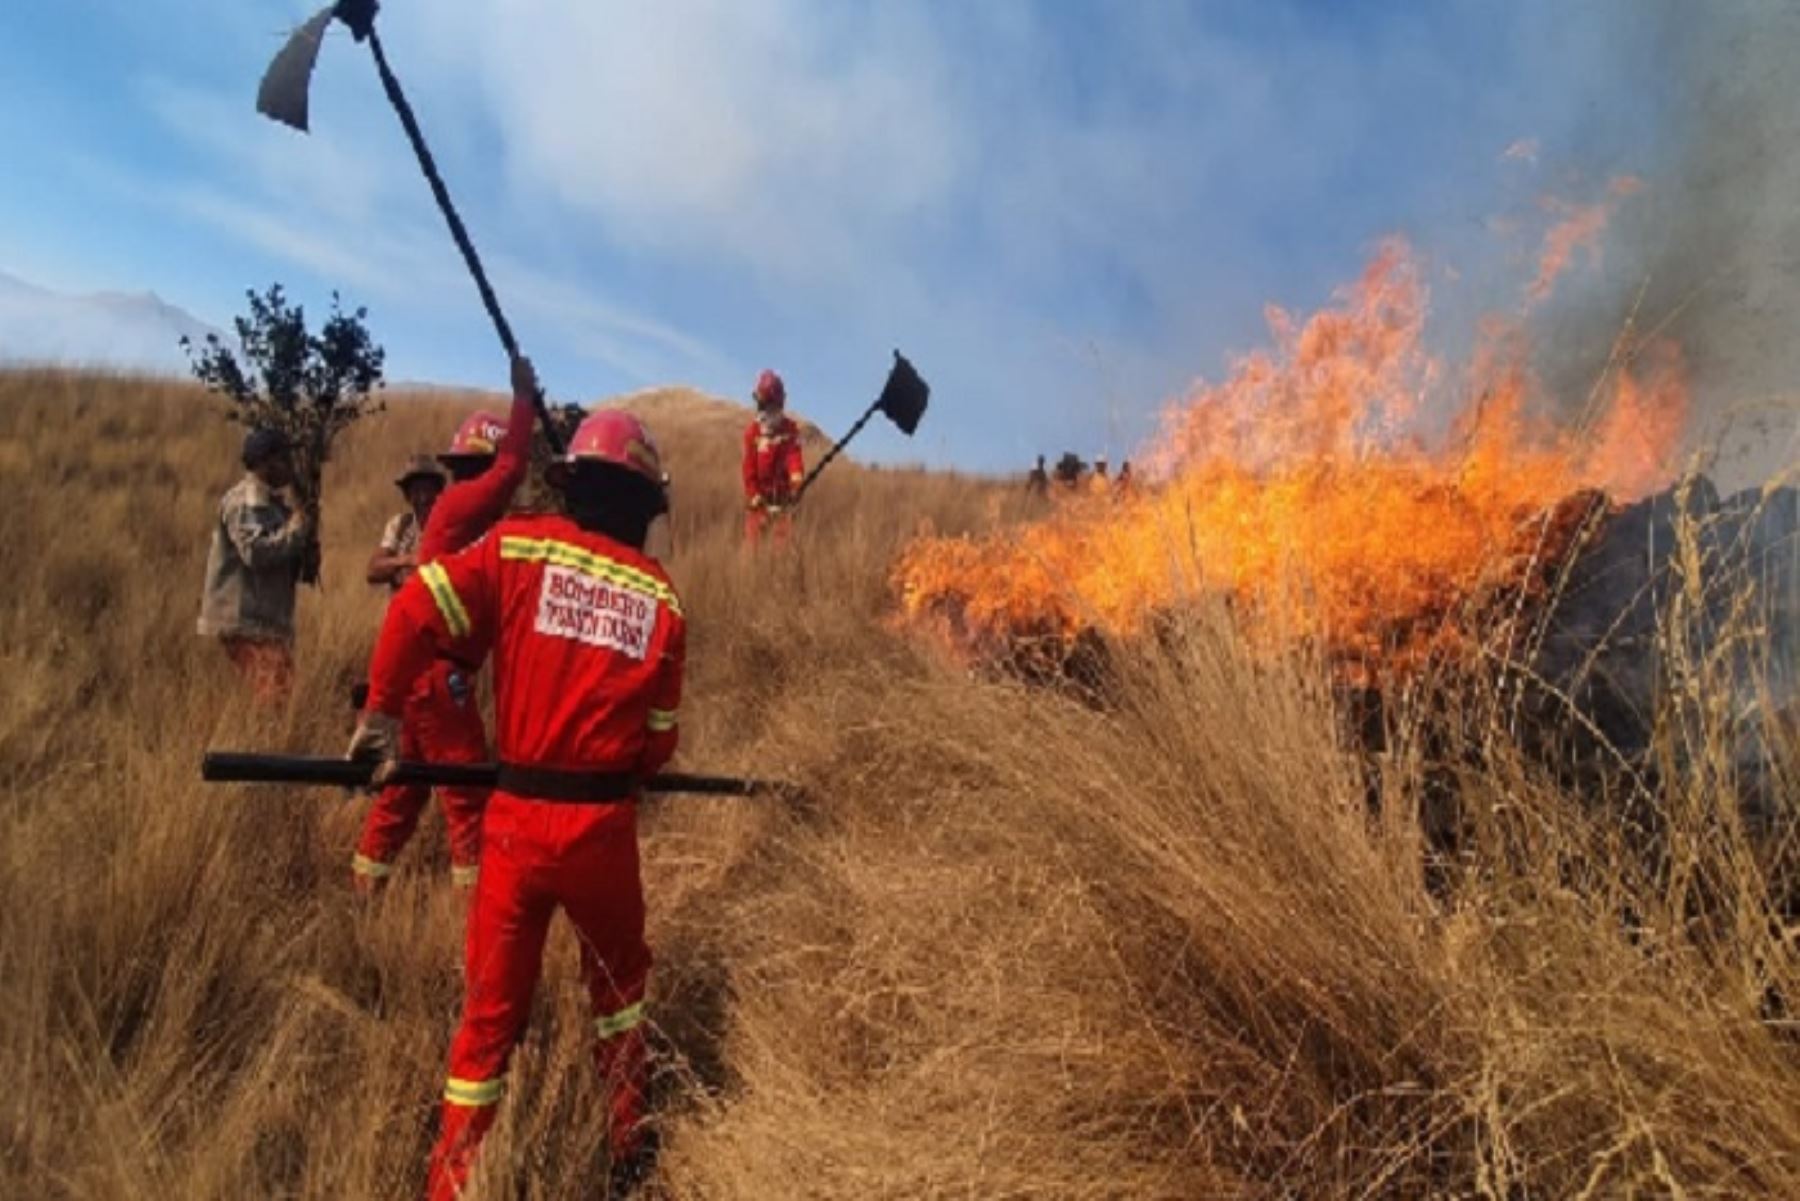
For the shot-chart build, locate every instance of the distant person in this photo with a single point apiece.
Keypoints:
(488, 459)
(773, 467)
(1125, 485)
(260, 544)
(1037, 483)
(1068, 471)
(1100, 484)
(396, 556)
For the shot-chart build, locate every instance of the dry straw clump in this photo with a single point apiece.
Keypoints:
(1011, 945)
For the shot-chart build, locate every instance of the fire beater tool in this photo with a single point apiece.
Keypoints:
(902, 401)
(236, 767)
(283, 96)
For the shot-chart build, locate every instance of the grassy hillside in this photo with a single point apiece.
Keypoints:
(1011, 947)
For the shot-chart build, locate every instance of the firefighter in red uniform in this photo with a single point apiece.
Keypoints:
(487, 460)
(589, 641)
(773, 469)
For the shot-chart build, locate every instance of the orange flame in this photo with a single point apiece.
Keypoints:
(1300, 489)
(1580, 229)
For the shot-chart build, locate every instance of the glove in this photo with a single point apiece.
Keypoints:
(377, 740)
(756, 502)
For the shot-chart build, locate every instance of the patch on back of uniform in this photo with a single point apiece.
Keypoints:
(597, 612)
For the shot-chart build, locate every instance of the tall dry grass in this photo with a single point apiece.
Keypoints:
(1011, 946)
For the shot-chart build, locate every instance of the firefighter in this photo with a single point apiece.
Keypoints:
(773, 469)
(260, 543)
(1037, 483)
(1126, 484)
(487, 461)
(397, 554)
(589, 641)
(1100, 484)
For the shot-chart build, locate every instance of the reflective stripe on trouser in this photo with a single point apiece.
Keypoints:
(535, 859)
(443, 724)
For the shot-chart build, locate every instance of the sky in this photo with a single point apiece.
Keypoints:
(1063, 213)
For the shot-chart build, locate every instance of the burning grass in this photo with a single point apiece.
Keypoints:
(1015, 946)
(1304, 490)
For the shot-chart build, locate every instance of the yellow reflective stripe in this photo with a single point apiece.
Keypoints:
(473, 1093)
(564, 554)
(362, 865)
(463, 875)
(448, 603)
(614, 1024)
(661, 721)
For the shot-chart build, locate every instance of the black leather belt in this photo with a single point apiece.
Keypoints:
(566, 787)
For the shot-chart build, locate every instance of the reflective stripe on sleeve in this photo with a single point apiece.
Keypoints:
(475, 1094)
(449, 604)
(464, 875)
(614, 1024)
(375, 869)
(599, 567)
(661, 721)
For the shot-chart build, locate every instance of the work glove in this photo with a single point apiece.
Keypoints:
(377, 740)
(756, 502)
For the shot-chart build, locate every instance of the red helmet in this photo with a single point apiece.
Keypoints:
(769, 392)
(477, 437)
(615, 436)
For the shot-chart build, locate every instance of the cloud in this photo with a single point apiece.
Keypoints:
(352, 211)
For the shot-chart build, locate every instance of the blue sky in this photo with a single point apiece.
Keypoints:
(1064, 213)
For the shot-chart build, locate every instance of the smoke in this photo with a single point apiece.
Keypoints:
(1710, 253)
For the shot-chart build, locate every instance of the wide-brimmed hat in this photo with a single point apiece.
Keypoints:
(419, 467)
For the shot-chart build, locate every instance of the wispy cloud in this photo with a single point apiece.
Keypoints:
(339, 206)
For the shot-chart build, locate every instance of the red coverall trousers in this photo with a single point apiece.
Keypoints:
(442, 724)
(537, 857)
(776, 524)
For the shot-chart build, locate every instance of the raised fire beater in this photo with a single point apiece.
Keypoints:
(589, 642)
(773, 465)
(487, 461)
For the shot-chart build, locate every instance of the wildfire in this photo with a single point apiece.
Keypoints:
(1579, 228)
(1303, 489)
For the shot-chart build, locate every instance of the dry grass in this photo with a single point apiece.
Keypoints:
(1013, 947)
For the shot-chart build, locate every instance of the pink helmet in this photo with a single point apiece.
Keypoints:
(615, 436)
(477, 437)
(769, 392)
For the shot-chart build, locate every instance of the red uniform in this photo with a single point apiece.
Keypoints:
(442, 719)
(773, 472)
(589, 643)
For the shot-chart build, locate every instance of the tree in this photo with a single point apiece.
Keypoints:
(310, 387)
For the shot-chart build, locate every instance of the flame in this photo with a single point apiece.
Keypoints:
(1580, 228)
(1303, 489)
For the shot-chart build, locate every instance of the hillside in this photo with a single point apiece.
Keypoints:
(136, 330)
(1012, 944)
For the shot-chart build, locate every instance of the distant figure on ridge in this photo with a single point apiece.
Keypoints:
(1068, 471)
(1037, 483)
(1100, 484)
(397, 554)
(773, 467)
(260, 544)
(1125, 485)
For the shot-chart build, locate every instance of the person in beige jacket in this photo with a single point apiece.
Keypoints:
(259, 545)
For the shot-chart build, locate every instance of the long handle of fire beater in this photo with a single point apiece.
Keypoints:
(227, 767)
(359, 16)
(902, 401)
